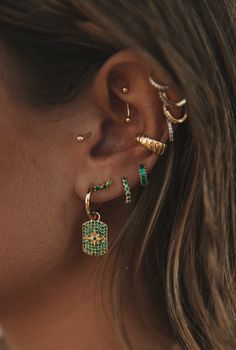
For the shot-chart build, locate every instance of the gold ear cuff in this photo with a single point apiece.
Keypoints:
(151, 144)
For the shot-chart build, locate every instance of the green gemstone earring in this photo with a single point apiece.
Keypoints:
(143, 175)
(94, 231)
(127, 190)
(105, 186)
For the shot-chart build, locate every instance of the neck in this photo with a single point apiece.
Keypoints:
(66, 312)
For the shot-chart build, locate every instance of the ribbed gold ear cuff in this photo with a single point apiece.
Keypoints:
(151, 144)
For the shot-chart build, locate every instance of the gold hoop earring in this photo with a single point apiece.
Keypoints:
(94, 231)
(173, 120)
(157, 85)
(168, 102)
(151, 144)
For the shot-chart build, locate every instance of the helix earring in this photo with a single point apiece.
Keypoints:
(157, 85)
(168, 103)
(151, 144)
(125, 90)
(94, 231)
(81, 138)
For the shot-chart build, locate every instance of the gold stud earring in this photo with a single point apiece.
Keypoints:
(82, 138)
(125, 90)
(151, 144)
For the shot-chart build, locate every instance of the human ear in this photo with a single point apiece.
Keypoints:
(112, 152)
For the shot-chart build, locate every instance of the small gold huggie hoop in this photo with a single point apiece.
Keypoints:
(169, 102)
(92, 215)
(157, 85)
(173, 120)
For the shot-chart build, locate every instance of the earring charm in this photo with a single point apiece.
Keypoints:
(151, 144)
(125, 90)
(94, 231)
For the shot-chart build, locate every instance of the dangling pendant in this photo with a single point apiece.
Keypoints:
(94, 231)
(95, 237)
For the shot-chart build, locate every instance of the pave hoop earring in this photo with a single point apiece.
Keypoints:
(126, 186)
(94, 231)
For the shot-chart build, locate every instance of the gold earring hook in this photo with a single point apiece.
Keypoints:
(92, 215)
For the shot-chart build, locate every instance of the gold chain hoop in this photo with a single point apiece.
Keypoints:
(171, 118)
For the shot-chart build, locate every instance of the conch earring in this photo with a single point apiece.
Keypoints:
(151, 144)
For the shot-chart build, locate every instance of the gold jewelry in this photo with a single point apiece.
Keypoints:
(105, 186)
(125, 183)
(81, 138)
(168, 102)
(125, 90)
(151, 144)
(157, 85)
(171, 119)
(94, 231)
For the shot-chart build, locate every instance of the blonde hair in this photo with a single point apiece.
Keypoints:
(182, 231)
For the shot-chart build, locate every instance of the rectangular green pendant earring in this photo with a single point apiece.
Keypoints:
(94, 231)
(95, 237)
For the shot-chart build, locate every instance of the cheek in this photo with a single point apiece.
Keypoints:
(39, 213)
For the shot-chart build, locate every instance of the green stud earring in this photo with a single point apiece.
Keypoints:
(127, 190)
(143, 175)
